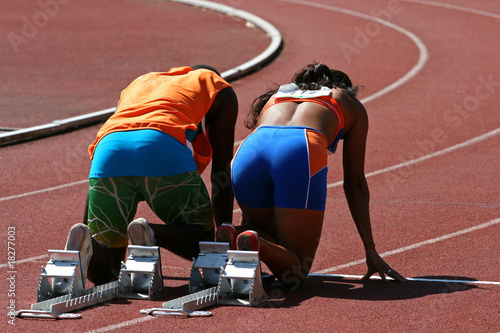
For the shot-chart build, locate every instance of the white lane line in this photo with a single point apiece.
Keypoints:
(456, 7)
(122, 325)
(419, 202)
(374, 173)
(322, 273)
(423, 53)
(401, 165)
(49, 189)
(22, 261)
(429, 156)
(347, 276)
(413, 246)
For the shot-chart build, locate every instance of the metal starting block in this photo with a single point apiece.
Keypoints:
(207, 268)
(241, 280)
(57, 307)
(187, 306)
(141, 276)
(62, 275)
(240, 283)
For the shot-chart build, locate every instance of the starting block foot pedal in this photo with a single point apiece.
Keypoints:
(207, 268)
(62, 275)
(241, 280)
(141, 275)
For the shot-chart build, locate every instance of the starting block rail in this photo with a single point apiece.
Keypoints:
(58, 306)
(187, 306)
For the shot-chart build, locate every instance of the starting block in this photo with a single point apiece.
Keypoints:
(62, 275)
(57, 307)
(241, 280)
(141, 276)
(207, 268)
(239, 283)
(187, 306)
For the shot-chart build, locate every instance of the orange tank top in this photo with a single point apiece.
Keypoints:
(171, 102)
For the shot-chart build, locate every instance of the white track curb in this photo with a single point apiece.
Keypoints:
(232, 74)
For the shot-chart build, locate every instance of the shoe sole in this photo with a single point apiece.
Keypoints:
(140, 233)
(227, 233)
(248, 241)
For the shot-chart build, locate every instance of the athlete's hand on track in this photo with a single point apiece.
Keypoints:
(377, 265)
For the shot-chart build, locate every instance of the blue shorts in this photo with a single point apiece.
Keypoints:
(145, 152)
(281, 166)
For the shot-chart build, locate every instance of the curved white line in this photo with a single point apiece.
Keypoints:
(413, 246)
(429, 156)
(267, 27)
(461, 8)
(407, 163)
(423, 53)
(232, 74)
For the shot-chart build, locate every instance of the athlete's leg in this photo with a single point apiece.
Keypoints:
(261, 220)
(183, 204)
(112, 204)
(287, 180)
(105, 264)
(299, 233)
(183, 240)
(289, 249)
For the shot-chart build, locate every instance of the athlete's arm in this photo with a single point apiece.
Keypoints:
(357, 192)
(221, 120)
(355, 185)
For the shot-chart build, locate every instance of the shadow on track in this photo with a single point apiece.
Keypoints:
(371, 290)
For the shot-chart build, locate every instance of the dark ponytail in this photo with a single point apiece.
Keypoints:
(311, 77)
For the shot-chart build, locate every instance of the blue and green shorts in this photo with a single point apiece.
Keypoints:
(144, 165)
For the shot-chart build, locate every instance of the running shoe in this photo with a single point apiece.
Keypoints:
(248, 241)
(140, 233)
(80, 239)
(227, 233)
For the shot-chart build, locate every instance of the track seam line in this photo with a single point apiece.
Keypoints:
(230, 75)
(122, 324)
(413, 246)
(423, 52)
(429, 156)
(456, 7)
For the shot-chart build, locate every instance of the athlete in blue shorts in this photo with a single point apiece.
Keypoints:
(279, 172)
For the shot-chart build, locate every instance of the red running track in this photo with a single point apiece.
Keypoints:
(433, 153)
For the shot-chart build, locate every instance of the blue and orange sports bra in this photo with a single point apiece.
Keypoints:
(291, 93)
